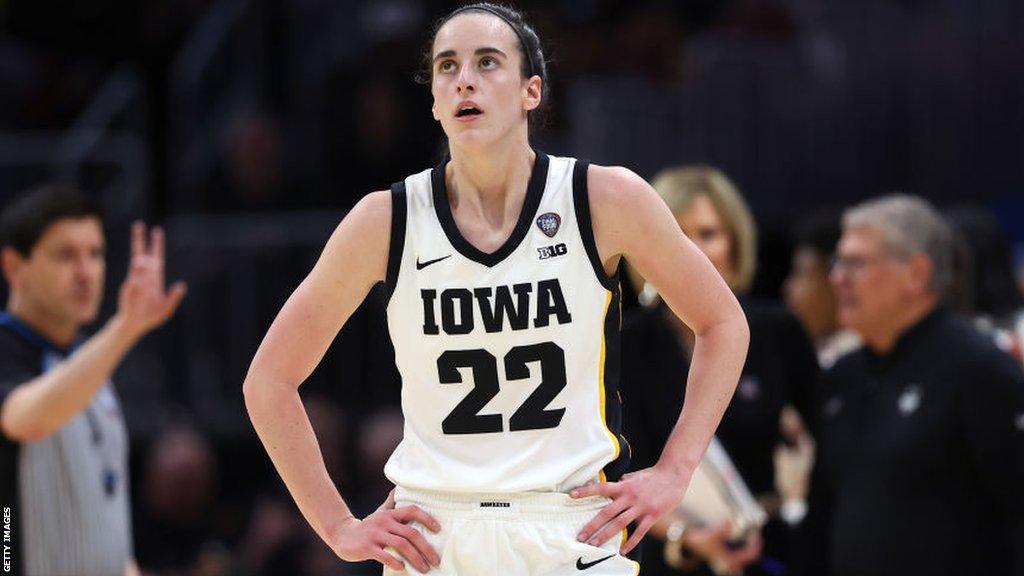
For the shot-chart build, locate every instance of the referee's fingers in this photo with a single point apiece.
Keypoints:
(174, 298)
(407, 551)
(418, 542)
(413, 513)
(138, 241)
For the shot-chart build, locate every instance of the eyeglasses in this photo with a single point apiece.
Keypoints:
(855, 265)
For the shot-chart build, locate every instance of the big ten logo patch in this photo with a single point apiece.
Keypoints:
(546, 252)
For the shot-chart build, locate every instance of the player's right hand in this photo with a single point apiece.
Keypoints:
(143, 302)
(388, 528)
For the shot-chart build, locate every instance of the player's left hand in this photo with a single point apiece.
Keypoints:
(642, 496)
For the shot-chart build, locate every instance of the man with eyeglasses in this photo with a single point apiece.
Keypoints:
(921, 431)
(63, 444)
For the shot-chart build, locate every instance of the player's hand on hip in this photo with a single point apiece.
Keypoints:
(388, 528)
(144, 302)
(642, 496)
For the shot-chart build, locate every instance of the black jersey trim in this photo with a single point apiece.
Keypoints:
(614, 470)
(396, 244)
(534, 193)
(581, 201)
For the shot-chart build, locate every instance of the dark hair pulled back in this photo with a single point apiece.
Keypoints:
(532, 54)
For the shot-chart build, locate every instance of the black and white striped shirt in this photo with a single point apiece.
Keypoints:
(67, 494)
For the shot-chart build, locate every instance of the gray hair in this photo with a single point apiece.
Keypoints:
(911, 226)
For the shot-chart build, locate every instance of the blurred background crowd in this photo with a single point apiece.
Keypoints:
(248, 127)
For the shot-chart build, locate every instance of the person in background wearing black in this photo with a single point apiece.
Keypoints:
(780, 370)
(808, 292)
(920, 460)
(993, 298)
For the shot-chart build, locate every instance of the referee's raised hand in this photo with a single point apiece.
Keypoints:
(143, 301)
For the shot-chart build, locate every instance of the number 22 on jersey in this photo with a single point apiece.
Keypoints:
(533, 414)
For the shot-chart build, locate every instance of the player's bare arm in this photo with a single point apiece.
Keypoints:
(354, 259)
(631, 221)
(46, 403)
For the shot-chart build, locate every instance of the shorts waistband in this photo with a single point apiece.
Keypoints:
(526, 505)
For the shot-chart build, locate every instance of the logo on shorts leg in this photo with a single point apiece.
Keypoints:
(581, 565)
(549, 223)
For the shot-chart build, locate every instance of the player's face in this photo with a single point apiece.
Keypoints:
(480, 95)
(808, 291)
(62, 278)
(705, 226)
(871, 286)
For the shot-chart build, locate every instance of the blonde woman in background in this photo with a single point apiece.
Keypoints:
(780, 371)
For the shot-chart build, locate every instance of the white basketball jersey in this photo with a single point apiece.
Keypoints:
(509, 360)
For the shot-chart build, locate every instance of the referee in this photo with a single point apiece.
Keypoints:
(63, 447)
(921, 434)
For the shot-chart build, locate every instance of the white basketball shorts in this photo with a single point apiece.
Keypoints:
(526, 534)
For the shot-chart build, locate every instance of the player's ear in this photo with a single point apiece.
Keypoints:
(532, 93)
(433, 111)
(10, 263)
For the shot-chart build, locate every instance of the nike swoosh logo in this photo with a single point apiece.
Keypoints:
(580, 565)
(422, 265)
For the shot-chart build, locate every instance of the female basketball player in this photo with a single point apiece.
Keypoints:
(504, 311)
